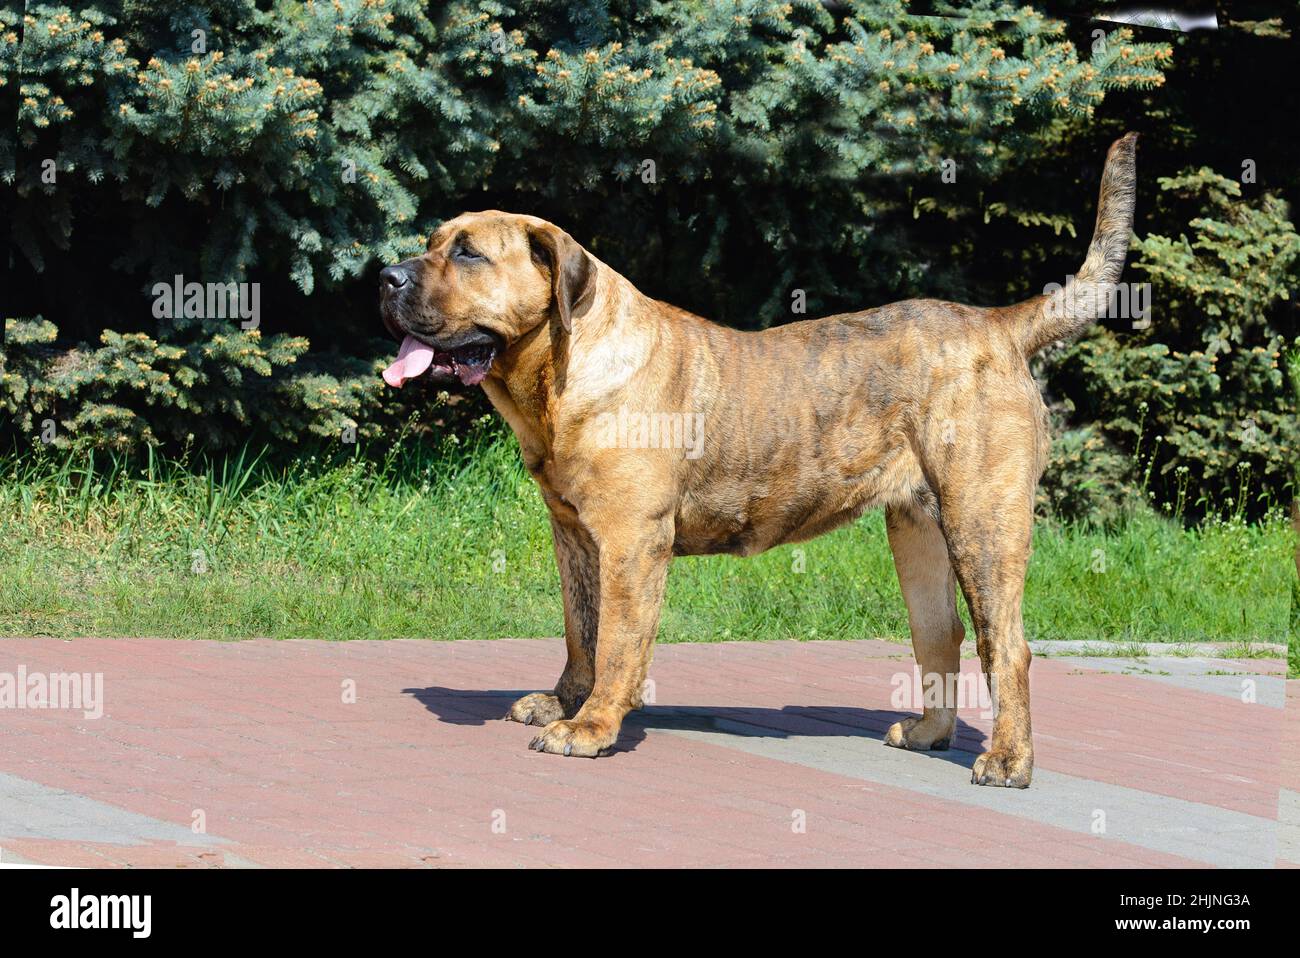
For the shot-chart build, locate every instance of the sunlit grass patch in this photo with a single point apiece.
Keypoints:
(454, 543)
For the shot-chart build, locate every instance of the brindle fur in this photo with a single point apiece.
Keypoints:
(926, 408)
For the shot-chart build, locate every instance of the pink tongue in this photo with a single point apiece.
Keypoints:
(412, 359)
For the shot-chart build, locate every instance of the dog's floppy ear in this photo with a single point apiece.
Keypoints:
(572, 271)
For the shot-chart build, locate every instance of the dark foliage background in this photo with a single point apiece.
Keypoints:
(795, 146)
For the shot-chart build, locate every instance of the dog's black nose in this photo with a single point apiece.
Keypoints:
(393, 277)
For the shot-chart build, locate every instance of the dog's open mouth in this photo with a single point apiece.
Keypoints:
(470, 364)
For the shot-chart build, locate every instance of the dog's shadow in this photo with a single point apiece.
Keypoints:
(478, 707)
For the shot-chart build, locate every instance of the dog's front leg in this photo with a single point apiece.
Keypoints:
(633, 561)
(577, 558)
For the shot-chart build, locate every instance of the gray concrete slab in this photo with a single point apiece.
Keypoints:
(31, 810)
(1288, 826)
(1203, 833)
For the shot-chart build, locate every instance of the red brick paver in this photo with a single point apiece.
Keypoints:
(420, 770)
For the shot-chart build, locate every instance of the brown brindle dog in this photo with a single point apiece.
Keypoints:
(924, 407)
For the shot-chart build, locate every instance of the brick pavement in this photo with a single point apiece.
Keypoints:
(247, 754)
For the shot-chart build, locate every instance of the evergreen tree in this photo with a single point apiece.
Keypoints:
(721, 155)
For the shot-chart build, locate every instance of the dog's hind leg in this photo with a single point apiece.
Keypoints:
(930, 590)
(579, 565)
(988, 527)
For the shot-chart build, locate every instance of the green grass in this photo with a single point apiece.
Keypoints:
(1293, 640)
(454, 544)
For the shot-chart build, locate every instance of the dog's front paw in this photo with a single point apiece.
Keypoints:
(1004, 768)
(574, 737)
(539, 708)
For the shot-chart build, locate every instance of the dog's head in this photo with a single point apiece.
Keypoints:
(486, 280)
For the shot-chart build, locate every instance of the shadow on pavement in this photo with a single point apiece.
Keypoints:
(478, 707)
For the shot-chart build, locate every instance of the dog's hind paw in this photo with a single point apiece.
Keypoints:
(1003, 768)
(920, 734)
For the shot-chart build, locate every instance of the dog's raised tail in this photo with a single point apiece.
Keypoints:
(1067, 311)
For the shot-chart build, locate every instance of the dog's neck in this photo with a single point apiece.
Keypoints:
(552, 372)
(521, 388)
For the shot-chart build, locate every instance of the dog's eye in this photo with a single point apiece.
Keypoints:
(467, 254)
